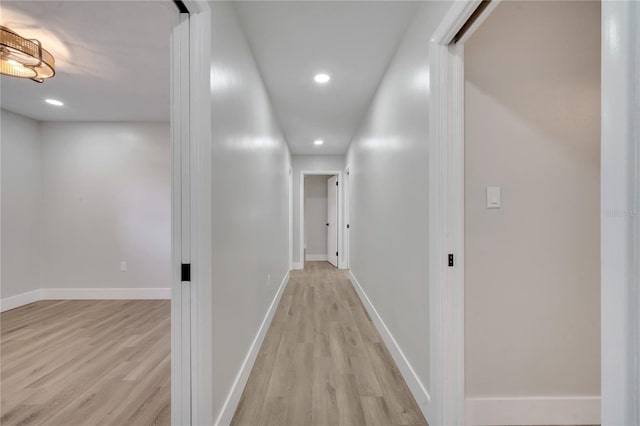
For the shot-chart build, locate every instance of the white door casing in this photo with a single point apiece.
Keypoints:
(180, 292)
(332, 220)
(191, 340)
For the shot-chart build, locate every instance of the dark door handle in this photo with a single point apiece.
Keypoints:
(327, 223)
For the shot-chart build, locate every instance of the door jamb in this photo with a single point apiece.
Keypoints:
(347, 217)
(303, 173)
(180, 244)
(446, 221)
(192, 238)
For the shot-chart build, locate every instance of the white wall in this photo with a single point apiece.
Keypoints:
(250, 202)
(308, 163)
(21, 204)
(389, 198)
(106, 199)
(621, 213)
(315, 215)
(532, 268)
(79, 198)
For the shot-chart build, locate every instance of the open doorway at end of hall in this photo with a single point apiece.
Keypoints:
(320, 218)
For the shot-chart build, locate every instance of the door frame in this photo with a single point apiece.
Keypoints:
(620, 192)
(347, 217)
(290, 218)
(620, 220)
(303, 173)
(446, 219)
(191, 301)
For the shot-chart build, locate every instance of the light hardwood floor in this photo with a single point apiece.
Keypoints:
(77, 363)
(323, 363)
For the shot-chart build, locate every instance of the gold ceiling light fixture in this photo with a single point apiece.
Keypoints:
(24, 58)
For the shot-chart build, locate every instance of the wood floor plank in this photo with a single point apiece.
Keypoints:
(323, 362)
(86, 362)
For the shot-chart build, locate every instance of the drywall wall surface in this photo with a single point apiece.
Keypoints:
(107, 200)
(389, 211)
(21, 204)
(315, 215)
(250, 199)
(308, 163)
(532, 267)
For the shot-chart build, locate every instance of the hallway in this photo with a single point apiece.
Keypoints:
(323, 362)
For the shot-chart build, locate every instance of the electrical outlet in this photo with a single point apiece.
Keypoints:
(123, 266)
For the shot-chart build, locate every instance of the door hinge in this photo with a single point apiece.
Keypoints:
(348, 226)
(336, 183)
(336, 253)
(185, 272)
(451, 259)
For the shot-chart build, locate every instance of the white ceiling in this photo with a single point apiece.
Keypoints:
(112, 59)
(353, 41)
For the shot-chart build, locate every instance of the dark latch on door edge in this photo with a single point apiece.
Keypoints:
(451, 259)
(185, 272)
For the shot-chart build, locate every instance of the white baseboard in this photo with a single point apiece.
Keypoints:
(104, 293)
(83, 294)
(533, 411)
(417, 388)
(316, 258)
(298, 266)
(20, 300)
(233, 398)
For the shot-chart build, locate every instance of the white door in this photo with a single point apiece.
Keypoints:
(332, 220)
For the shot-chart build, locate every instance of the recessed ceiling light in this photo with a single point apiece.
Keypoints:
(53, 102)
(322, 78)
(318, 142)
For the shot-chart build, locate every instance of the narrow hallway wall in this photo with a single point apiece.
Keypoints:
(250, 198)
(389, 216)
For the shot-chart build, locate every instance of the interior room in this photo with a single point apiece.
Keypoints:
(305, 213)
(532, 207)
(86, 217)
(318, 220)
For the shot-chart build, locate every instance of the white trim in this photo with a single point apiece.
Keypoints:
(446, 220)
(297, 266)
(233, 398)
(620, 219)
(533, 411)
(84, 294)
(21, 299)
(180, 302)
(417, 388)
(303, 173)
(201, 210)
(347, 217)
(290, 215)
(316, 258)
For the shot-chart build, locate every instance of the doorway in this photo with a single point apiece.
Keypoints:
(532, 196)
(321, 233)
(321, 219)
(469, 193)
(99, 220)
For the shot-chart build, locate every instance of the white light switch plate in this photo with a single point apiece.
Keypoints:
(493, 197)
(123, 266)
